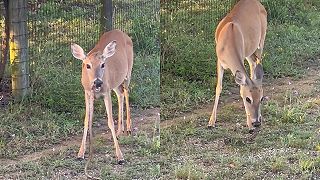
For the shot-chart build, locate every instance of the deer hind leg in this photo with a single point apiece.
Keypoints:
(89, 98)
(126, 95)
(213, 117)
(259, 50)
(252, 60)
(258, 56)
(120, 95)
(108, 104)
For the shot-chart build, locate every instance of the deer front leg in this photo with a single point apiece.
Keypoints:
(89, 99)
(213, 117)
(108, 104)
(126, 95)
(119, 92)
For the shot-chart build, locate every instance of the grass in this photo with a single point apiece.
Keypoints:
(63, 164)
(285, 147)
(188, 56)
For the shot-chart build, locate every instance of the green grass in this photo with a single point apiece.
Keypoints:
(63, 164)
(285, 148)
(188, 60)
(37, 129)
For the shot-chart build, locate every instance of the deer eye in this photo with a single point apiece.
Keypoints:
(264, 98)
(88, 66)
(248, 100)
(102, 65)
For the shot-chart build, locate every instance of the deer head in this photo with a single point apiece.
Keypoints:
(252, 95)
(94, 64)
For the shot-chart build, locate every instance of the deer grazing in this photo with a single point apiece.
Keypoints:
(240, 35)
(106, 67)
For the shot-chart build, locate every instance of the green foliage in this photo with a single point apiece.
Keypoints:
(145, 34)
(310, 165)
(292, 12)
(285, 114)
(142, 24)
(278, 165)
(189, 171)
(146, 81)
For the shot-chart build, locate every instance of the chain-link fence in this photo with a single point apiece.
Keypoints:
(54, 24)
(141, 19)
(192, 17)
(187, 30)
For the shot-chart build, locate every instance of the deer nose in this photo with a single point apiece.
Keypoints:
(257, 123)
(98, 83)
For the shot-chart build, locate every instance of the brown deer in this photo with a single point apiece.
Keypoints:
(106, 67)
(240, 35)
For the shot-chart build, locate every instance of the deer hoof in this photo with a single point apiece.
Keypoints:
(128, 132)
(251, 131)
(80, 156)
(211, 126)
(121, 161)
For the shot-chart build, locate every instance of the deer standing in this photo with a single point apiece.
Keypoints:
(240, 35)
(106, 67)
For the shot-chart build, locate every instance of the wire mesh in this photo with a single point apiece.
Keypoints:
(187, 31)
(141, 19)
(4, 85)
(192, 16)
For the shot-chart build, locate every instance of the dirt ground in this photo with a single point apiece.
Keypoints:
(142, 121)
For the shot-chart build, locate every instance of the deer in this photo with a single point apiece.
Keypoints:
(240, 35)
(105, 68)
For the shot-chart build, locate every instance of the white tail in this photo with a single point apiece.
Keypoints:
(240, 35)
(107, 67)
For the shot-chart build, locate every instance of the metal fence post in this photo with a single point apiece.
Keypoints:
(106, 16)
(18, 48)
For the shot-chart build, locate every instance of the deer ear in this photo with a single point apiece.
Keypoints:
(240, 78)
(110, 49)
(77, 51)
(258, 73)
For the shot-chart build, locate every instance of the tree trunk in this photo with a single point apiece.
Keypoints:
(4, 40)
(19, 48)
(106, 16)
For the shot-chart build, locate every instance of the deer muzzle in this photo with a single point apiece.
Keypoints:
(97, 85)
(257, 122)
